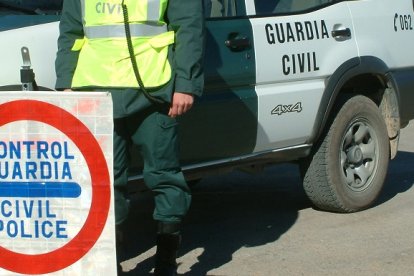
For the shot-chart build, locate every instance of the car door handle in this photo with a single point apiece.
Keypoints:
(238, 43)
(342, 33)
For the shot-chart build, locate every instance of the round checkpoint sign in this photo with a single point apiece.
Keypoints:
(75, 130)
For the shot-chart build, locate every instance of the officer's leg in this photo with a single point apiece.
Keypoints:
(121, 160)
(157, 137)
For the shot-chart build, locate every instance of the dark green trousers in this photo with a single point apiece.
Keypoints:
(155, 133)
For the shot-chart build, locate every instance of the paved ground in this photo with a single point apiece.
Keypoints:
(242, 224)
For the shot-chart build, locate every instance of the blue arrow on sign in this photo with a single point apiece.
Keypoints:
(40, 189)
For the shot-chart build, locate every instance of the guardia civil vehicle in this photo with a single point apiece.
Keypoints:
(327, 84)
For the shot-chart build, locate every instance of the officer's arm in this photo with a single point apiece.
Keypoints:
(70, 28)
(185, 17)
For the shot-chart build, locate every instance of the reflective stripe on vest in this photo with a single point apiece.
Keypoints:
(104, 59)
(137, 30)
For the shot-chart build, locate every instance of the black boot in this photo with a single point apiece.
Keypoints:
(168, 242)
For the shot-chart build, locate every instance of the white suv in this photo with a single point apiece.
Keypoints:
(324, 83)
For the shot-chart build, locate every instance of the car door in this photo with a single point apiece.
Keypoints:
(39, 34)
(223, 122)
(299, 45)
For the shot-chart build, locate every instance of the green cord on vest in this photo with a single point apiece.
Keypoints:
(132, 58)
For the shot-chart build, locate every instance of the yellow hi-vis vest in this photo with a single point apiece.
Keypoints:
(104, 60)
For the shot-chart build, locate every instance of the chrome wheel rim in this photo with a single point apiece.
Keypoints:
(359, 155)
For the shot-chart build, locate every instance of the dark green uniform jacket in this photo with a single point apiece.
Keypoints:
(183, 16)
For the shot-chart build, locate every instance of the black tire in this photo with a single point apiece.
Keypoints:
(347, 169)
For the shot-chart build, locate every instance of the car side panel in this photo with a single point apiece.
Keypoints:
(388, 34)
(295, 55)
(41, 40)
(223, 122)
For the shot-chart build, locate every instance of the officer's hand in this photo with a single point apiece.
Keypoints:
(181, 103)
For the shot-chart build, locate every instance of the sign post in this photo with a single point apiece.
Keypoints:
(56, 195)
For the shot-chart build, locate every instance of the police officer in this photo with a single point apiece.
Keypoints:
(97, 40)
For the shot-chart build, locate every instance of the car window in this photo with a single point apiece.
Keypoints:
(30, 6)
(219, 8)
(287, 6)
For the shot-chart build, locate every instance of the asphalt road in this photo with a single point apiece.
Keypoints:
(263, 224)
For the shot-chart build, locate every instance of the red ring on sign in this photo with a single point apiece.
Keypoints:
(74, 250)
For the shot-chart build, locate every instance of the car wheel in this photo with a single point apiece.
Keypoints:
(348, 166)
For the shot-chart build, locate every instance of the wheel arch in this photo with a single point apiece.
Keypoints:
(368, 76)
